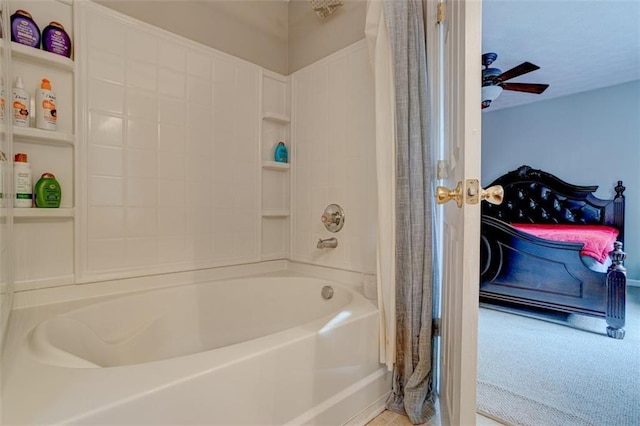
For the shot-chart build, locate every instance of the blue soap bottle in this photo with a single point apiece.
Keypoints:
(281, 155)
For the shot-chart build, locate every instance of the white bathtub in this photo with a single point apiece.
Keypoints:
(247, 351)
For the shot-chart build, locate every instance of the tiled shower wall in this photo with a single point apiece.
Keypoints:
(171, 174)
(172, 164)
(333, 127)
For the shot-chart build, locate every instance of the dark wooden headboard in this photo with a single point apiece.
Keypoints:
(535, 196)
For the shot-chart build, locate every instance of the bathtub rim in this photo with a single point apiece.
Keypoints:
(80, 292)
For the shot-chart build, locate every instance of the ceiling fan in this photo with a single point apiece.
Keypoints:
(494, 80)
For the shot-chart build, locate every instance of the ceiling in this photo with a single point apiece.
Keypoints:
(579, 45)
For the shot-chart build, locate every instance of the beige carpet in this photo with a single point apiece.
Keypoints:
(557, 369)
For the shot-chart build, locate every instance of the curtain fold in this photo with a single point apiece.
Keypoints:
(412, 388)
(380, 55)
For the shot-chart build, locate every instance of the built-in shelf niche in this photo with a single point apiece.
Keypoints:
(43, 238)
(275, 176)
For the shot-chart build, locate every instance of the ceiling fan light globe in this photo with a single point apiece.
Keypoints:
(490, 94)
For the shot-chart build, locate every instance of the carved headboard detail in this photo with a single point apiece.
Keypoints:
(535, 196)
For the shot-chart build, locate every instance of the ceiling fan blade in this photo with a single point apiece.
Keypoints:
(521, 69)
(525, 87)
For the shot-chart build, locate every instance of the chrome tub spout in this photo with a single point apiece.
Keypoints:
(328, 243)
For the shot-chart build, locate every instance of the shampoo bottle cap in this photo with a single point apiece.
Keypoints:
(19, 83)
(46, 84)
(21, 158)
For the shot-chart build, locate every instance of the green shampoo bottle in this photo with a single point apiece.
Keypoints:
(47, 191)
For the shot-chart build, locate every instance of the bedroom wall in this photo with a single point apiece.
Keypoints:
(591, 138)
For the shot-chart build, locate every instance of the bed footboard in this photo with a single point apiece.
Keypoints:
(519, 268)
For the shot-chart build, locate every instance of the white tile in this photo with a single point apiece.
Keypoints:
(105, 129)
(105, 191)
(105, 222)
(171, 192)
(172, 221)
(245, 171)
(171, 166)
(171, 83)
(106, 66)
(245, 197)
(106, 96)
(106, 161)
(245, 221)
(224, 73)
(141, 192)
(199, 90)
(198, 167)
(142, 46)
(142, 104)
(274, 96)
(172, 111)
(245, 244)
(200, 246)
(199, 194)
(141, 75)
(171, 249)
(35, 260)
(105, 33)
(173, 56)
(199, 221)
(141, 252)
(142, 133)
(198, 64)
(173, 138)
(142, 163)
(141, 222)
(106, 254)
(199, 119)
(223, 195)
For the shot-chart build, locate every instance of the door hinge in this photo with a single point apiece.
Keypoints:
(435, 327)
(441, 13)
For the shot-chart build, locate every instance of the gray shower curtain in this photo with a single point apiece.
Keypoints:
(412, 389)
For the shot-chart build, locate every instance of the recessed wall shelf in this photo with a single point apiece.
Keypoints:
(42, 57)
(34, 212)
(39, 230)
(275, 213)
(278, 118)
(274, 165)
(26, 134)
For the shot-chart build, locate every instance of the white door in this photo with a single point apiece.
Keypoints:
(461, 32)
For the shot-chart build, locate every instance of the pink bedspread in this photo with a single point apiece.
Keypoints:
(598, 240)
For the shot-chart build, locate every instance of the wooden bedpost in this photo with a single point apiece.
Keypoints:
(616, 292)
(618, 210)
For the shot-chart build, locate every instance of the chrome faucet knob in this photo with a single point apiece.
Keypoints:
(333, 218)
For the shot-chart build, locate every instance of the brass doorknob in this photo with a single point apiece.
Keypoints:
(444, 194)
(493, 194)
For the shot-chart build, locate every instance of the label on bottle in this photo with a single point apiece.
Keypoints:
(20, 110)
(25, 31)
(49, 113)
(56, 40)
(23, 185)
